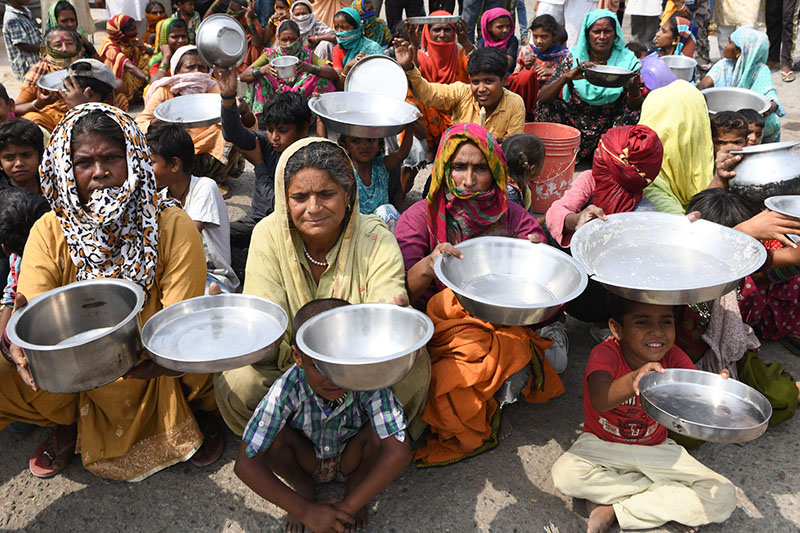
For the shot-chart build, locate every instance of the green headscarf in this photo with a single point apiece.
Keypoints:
(620, 57)
(162, 37)
(52, 21)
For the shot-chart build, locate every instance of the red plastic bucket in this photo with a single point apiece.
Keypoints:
(561, 145)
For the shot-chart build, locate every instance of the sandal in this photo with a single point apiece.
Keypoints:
(53, 455)
(213, 441)
(788, 77)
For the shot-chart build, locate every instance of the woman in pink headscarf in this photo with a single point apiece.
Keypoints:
(497, 31)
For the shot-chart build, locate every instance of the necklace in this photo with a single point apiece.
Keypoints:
(183, 196)
(313, 261)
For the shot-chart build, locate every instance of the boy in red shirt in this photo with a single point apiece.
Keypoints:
(623, 464)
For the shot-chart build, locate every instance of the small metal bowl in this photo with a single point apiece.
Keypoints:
(80, 336)
(788, 205)
(215, 333)
(733, 99)
(53, 81)
(418, 21)
(661, 258)
(284, 66)
(682, 67)
(705, 406)
(191, 110)
(511, 281)
(364, 115)
(221, 41)
(365, 346)
(608, 76)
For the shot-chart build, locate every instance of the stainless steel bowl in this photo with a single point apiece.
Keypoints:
(433, 20)
(511, 281)
(80, 336)
(788, 205)
(608, 76)
(704, 406)
(221, 41)
(365, 346)
(733, 99)
(191, 110)
(365, 115)
(284, 66)
(362, 76)
(53, 81)
(682, 67)
(215, 333)
(767, 170)
(661, 258)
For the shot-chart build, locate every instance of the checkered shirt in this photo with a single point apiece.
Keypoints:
(19, 27)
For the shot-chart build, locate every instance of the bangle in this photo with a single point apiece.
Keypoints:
(256, 72)
(33, 104)
(316, 69)
(228, 96)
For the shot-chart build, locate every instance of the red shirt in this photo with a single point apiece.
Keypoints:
(337, 56)
(627, 423)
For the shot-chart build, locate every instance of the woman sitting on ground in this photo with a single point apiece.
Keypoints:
(108, 221)
(316, 35)
(374, 28)
(351, 44)
(126, 55)
(62, 13)
(171, 34)
(677, 37)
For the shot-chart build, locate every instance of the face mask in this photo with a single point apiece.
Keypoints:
(292, 49)
(345, 37)
(300, 19)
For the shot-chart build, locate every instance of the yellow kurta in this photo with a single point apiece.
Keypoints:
(128, 429)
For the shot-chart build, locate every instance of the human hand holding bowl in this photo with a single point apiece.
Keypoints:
(16, 353)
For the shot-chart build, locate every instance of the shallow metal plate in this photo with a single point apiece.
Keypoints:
(215, 333)
(377, 74)
(191, 110)
(788, 205)
(705, 406)
(665, 259)
(52, 81)
(365, 115)
(433, 20)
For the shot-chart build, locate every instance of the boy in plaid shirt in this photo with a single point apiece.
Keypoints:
(308, 431)
(22, 37)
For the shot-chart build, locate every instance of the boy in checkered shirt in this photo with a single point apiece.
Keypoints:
(308, 431)
(22, 37)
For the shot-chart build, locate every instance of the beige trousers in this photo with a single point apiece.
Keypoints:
(647, 485)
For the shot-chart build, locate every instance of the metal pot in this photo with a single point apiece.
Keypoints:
(80, 336)
(284, 66)
(733, 99)
(221, 41)
(682, 67)
(608, 75)
(766, 170)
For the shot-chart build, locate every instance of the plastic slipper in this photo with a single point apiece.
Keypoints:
(213, 442)
(52, 456)
(788, 77)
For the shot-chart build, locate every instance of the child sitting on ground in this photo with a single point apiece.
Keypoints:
(623, 464)
(525, 160)
(497, 31)
(308, 431)
(543, 53)
(21, 149)
(755, 125)
(172, 152)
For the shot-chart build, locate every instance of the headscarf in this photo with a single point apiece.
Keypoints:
(679, 115)
(373, 27)
(162, 37)
(116, 234)
(755, 49)
(353, 41)
(455, 215)
(687, 34)
(57, 58)
(620, 57)
(440, 65)
(52, 21)
(114, 29)
(489, 16)
(152, 22)
(551, 54)
(182, 84)
(304, 22)
(627, 159)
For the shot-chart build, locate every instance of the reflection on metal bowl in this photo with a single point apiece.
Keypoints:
(365, 115)
(766, 170)
(191, 110)
(221, 41)
(682, 67)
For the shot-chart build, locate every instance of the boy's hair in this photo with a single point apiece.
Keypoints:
(287, 108)
(21, 132)
(172, 140)
(618, 306)
(637, 48)
(4, 94)
(400, 31)
(523, 151)
(19, 209)
(729, 122)
(315, 307)
(547, 23)
(489, 61)
(721, 206)
(753, 117)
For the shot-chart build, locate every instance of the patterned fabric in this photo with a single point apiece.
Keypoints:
(118, 49)
(354, 42)
(19, 27)
(771, 307)
(551, 58)
(455, 215)
(291, 400)
(10, 290)
(309, 24)
(162, 37)
(377, 194)
(152, 22)
(736, 12)
(442, 62)
(115, 235)
(374, 28)
(489, 16)
(687, 31)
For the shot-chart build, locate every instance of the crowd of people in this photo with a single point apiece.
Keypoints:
(87, 191)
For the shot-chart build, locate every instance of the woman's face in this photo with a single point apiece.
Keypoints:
(601, 35)
(157, 10)
(287, 37)
(542, 39)
(67, 18)
(177, 37)
(470, 170)
(360, 149)
(500, 28)
(63, 42)
(281, 8)
(192, 63)
(731, 51)
(317, 204)
(442, 33)
(664, 37)
(98, 163)
(300, 9)
(340, 24)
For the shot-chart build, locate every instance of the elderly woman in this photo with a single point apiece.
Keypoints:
(215, 158)
(108, 221)
(744, 65)
(569, 99)
(471, 359)
(315, 34)
(317, 245)
(125, 54)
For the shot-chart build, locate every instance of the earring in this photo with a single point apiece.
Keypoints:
(107, 174)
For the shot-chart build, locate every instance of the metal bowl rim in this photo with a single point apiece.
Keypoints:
(469, 243)
(611, 70)
(295, 61)
(194, 123)
(315, 102)
(712, 90)
(771, 204)
(680, 58)
(355, 308)
(766, 148)
(348, 81)
(239, 30)
(439, 19)
(577, 254)
(63, 73)
(17, 316)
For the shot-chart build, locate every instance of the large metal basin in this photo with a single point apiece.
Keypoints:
(80, 336)
(766, 170)
(733, 99)
(661, 258)
(365, 346)
(191, 110)
(370, 116)
(705, 406)
(608, 75)
(511, 281)
(221, 41)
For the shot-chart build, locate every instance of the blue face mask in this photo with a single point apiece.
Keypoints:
(345, 37)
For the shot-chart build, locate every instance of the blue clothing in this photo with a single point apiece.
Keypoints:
(377, 194)
(512, 49)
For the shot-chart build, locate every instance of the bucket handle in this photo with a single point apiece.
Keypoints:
(570, 165)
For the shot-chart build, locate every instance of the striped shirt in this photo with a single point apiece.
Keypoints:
(291, 399)
(19, 27)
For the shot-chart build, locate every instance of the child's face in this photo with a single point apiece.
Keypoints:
(20, 163)
(362, 150)
(486, 88)
(162, 170)
(500, 28)
(442, 33)
(664, 37)
(68, 19)
(318, 383)
(340, 23)
(542, 39)
(186, 7)
(287, 37)
(729, 140)
(281, 8)
(177, 37)
(646, 334)
(754, 134)
(281, 136)
(368, 6)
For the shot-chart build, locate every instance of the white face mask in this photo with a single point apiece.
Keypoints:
(302, 18)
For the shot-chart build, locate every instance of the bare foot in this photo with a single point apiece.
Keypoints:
(684, 528)
(292, 524)
(506, 428)
(361, 520)
(601, 517)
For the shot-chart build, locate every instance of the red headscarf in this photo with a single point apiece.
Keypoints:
(488, 17)
(627, 159)
(114, 28)
(440, 65)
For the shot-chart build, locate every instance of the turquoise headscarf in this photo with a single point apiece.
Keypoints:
(620, 57)
(353, 41)
(755, 49)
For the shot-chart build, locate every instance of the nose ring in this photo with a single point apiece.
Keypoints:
(308, 210)
(107, 174)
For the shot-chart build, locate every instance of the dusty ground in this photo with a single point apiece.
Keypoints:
(507, 489)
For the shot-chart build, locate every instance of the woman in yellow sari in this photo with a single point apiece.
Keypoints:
(125, 54)
(97, 168)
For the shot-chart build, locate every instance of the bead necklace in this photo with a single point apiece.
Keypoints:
(313, 261)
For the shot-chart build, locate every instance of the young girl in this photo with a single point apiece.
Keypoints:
(497, 31)
(154, 12)
(525, 160)
(281, 13)
(62, 13)
(677, 36)
(351, 44)
(544, 53)
(316, 35)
